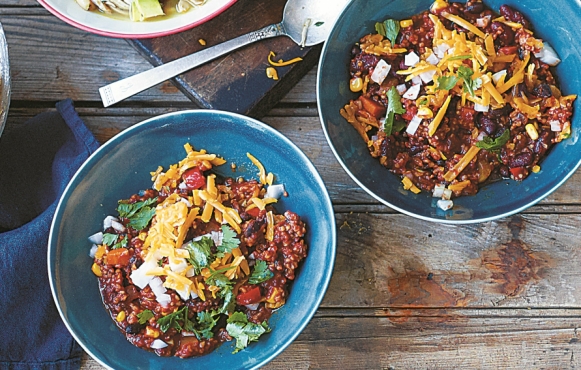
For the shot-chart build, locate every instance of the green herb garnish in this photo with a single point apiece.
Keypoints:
(261, 273)
(243, 331)
(494, 144)
(319, 24)
(221, 281)
(447, 82)
(139, 213)
(393, 106)
(144, 316)
(173, 321)
(112, 240)
(465, 73)
(200, 253)
(388, 28)
(229, 241)
(460, 57)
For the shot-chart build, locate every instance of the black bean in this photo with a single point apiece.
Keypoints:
(543, 91)
(134, 328)
(474, 7)
(504, 171)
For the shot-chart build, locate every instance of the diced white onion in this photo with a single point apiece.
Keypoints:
(184, 292)
(191, 272)
(412, 93)
(193, 295)
(555, 125)
(118, 226)
(427, 76)
(96, 238)
(498, 75)
(402, 88)
(186, 202)
(380, 71)
(411, 59)
(158, 344)
(252, 307)
(438, 190)
(481, 136)
(413, 125)
(447, 194)
(450, 51)
(178, 264)
(480, 107)
(275, 191)
(139, 276)
(440, 50)
(445, 204)
(108, 222)
(548, 55)
(93, 250)
(417, 80)
(433, 59)
(483, 22)
(182, 185)
(156, 286)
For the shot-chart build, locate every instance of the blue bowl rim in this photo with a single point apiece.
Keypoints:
(102, 150)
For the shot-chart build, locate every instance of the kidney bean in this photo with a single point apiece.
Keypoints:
(521, 160)
(514, 15)
(542, 91)
(487, 124)
(504, 34)
(543, 142)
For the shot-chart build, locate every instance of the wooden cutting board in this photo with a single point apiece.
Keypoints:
(236, 82)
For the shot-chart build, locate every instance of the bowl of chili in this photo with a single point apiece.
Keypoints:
(500, 149)
(97, 289)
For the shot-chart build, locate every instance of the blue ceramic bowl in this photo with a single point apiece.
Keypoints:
(121, 167)
(552, 20)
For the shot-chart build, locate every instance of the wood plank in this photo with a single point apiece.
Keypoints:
(458, 341)
(87, 63)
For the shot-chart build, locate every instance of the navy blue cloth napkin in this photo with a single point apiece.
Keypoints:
(37, 160)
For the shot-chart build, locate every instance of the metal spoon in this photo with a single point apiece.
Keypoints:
(306, 22)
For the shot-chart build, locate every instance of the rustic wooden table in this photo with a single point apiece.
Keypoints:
(405, 293)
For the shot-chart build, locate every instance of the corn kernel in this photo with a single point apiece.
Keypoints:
(271, 73)
(121, 316)
(96, 270)
(406, 23)
(356, 84)
(532, 131)
(142, 236)
(151, 332)
(425, 113)
(536, 169)
(202, 42)
(100, 252)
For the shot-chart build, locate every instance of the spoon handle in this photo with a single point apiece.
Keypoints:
(122, 89)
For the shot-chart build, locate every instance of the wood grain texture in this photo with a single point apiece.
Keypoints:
(405, 294)
(236, 82)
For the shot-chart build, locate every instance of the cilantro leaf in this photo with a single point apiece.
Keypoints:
(144, 316)
(229, 241)
(217, 278)
(206, 322)
(398, 126)
(460, 57)
(393, 106)
(200, 253)
(319, 24)
(447, 82)
(239, 328)
(173, 320)
(494, 144)
(139, 213)
(110, 239)
(260, 273)
(121, 244)
(388, 28)
(465, 73)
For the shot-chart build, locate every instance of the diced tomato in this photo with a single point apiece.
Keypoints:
(518, 173)
(194, 179)
(508, 50)
(374, 108)
(119, 256)
(250, 296)
(254, 212)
